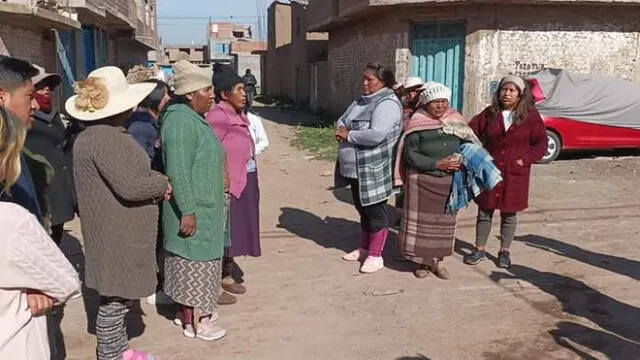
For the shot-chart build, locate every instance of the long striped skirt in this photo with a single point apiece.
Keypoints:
(427, 231)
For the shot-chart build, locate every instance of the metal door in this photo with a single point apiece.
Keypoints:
(438, 55)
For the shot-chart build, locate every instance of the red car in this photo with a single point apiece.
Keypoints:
(590, 112)
(567, 134)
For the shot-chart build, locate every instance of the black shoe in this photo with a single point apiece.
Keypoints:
(475, 257)
(504, 259)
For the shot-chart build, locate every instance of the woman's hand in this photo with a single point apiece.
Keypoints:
(520, 162)
(342, 134)
(167, 194)
(39, 303)
(188, 225)
(449, 164)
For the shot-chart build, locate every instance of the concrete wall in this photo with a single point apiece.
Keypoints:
(500, 40)
(246, 61)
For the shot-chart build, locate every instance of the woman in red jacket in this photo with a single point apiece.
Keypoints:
(512, 130)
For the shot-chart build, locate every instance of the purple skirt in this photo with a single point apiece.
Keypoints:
(245, 220)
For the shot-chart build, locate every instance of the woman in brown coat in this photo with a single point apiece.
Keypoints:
(512, 130)
(117, 197)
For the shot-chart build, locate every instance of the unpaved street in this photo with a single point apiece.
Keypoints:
(573, 293)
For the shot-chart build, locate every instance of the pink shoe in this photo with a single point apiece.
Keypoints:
(137, 355)
(356, 255)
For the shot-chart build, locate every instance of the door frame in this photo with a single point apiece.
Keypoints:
(414, 29)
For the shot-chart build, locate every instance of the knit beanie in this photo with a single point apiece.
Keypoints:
(224, 77)
(188, 77)
(516, 80)
(434, 91)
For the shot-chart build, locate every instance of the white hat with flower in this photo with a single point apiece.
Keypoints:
(105, 93)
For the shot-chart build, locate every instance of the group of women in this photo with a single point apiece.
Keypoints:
(179, 171)
(411, 136)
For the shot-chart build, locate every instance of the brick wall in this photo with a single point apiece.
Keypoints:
(351, 48)
(25, 44)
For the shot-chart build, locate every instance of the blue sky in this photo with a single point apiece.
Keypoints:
(185, 21)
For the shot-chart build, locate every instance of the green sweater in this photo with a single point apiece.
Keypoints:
(193, 159)
(423, 149)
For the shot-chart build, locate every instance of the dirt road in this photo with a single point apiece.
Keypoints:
(573, 293)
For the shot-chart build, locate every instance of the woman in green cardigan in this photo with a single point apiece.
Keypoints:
(426, 160)
(194, 220)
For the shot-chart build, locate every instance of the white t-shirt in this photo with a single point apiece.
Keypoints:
(507, 115)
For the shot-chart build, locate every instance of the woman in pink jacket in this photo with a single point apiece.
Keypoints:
(231, 125)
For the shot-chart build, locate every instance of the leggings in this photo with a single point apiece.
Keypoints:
(373, 218)
(508, 222)
(111, 329)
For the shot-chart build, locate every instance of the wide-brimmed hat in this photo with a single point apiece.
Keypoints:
(413, 81)
(105, 93)
(51, 79)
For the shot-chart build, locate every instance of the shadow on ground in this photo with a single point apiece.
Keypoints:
(616, 264)
(418, 357)
(72, 248)
(336, 233)
(620, 337)
(291, 117)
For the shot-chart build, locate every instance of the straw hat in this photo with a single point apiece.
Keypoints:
(413, 81)
(105, 93)
(52, 79)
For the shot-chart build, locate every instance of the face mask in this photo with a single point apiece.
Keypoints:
(44, 102)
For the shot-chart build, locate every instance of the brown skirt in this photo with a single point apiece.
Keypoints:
(427, 231)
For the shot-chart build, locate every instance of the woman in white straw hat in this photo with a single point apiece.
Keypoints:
(194, 220)
(116, 192)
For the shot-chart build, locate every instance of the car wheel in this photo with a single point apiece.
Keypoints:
(553, 148)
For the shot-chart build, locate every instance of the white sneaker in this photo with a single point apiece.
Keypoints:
(151, 299)
(208, 331)
(177, 321)
(372, 264)
(355, 255)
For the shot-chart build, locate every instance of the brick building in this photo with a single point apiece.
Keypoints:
(469, 45)
(295, 56)
(74, 37)
(221, 35)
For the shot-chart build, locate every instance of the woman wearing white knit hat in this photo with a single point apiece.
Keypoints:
(194, 219)
(116, 193)
(424, 165)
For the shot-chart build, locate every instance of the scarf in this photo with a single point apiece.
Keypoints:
(451, 123)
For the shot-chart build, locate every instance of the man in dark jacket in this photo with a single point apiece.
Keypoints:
(250, 83)
(47, 138)
(16, 95)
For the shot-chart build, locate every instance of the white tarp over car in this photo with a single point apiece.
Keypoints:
(596, 99)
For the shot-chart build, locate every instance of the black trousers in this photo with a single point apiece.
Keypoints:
(373, 218)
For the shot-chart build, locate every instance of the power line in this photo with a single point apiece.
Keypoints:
(206, 17)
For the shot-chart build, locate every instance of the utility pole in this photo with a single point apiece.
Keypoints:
(209, 47)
